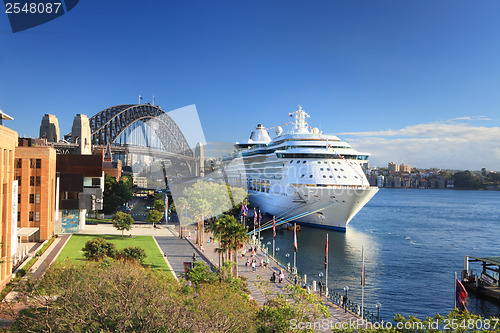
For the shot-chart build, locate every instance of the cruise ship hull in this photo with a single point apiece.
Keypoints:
(331, 208)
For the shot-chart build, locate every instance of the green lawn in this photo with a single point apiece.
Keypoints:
(154, 258)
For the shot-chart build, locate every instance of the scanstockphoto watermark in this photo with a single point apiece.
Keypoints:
(330, 324)
(435, 324)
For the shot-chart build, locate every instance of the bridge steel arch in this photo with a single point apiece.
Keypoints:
(107, 126)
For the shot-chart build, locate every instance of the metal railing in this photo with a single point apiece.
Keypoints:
(333, 296)
(351, 306)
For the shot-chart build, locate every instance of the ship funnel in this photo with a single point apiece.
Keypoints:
(260, 135)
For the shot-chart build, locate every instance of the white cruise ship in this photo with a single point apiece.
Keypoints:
(303, 175)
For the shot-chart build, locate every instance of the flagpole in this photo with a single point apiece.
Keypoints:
(326, 267)
(455, 293)
(295, 252)
(362, 284)
(274, 234)
(260, 220)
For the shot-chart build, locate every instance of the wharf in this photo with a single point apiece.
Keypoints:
(487, 284)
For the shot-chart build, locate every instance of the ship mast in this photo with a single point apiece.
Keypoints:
(300, 121)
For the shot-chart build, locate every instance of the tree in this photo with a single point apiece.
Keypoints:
(116, 193)
(296, 303)
(231, 236)
(98, 248)
(154, 216)
(200, 273)
(159, 205)
(466, 180)
(122, 221)
(92, 297)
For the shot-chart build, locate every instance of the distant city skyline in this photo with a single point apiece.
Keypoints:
(409, 82)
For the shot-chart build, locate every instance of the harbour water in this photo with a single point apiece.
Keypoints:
(414, 241)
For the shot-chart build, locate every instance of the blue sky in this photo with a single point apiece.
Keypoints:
(382, 72)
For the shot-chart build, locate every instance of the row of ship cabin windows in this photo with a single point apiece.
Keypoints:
(322, 169)
(258, 185)
(319, 162)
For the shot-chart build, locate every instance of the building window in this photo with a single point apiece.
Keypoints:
(32, 216)
(38, 163)
(32, 198)
(19, 163)
(37, 181)
(32, 163)
(37, 216)
(32, 180)
(19, 198)
(37, 198)
(18, 178)
(18, 216)
(96, 181)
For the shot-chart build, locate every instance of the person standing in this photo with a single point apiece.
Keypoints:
(282, 276)
(253, 265)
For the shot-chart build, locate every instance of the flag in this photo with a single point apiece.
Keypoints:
(274, 228)
(461, 295)
(295, 247)
(242, 208)
(245, 212)
(260, 217)
(326, 252)
(254, 217)
(363, 273)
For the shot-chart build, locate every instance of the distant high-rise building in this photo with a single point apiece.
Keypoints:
(393, 167)
(49, 129)
(405, 168)
(380, 181)
(80, 133)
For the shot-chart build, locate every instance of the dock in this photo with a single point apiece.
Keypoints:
(486, 284)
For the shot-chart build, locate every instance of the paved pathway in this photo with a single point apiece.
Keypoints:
(178, 251)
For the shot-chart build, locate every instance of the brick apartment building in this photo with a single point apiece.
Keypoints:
(8, 142)
(36, 175)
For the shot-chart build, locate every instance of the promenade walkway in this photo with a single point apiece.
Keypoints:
(337, 314)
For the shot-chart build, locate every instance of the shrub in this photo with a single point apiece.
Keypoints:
(99, 248)
(132, 253)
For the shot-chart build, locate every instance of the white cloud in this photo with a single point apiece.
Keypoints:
(441, 145)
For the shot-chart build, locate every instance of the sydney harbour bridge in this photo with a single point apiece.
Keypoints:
(142, 133)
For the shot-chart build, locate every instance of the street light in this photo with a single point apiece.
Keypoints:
(287, 261)
(261, 239)
(346, 289)
(378, 305)
(268, 245)
(320, 283)
(194, 257)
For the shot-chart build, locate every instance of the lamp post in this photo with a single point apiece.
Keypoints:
(287, 261)
(320, 283)
(260, 241)
(277, 253)
(378, 306)
(268, 245)
(346, 289)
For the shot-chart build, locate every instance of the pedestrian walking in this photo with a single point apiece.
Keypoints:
(282, 276)
(253, 266)
(273, 277)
